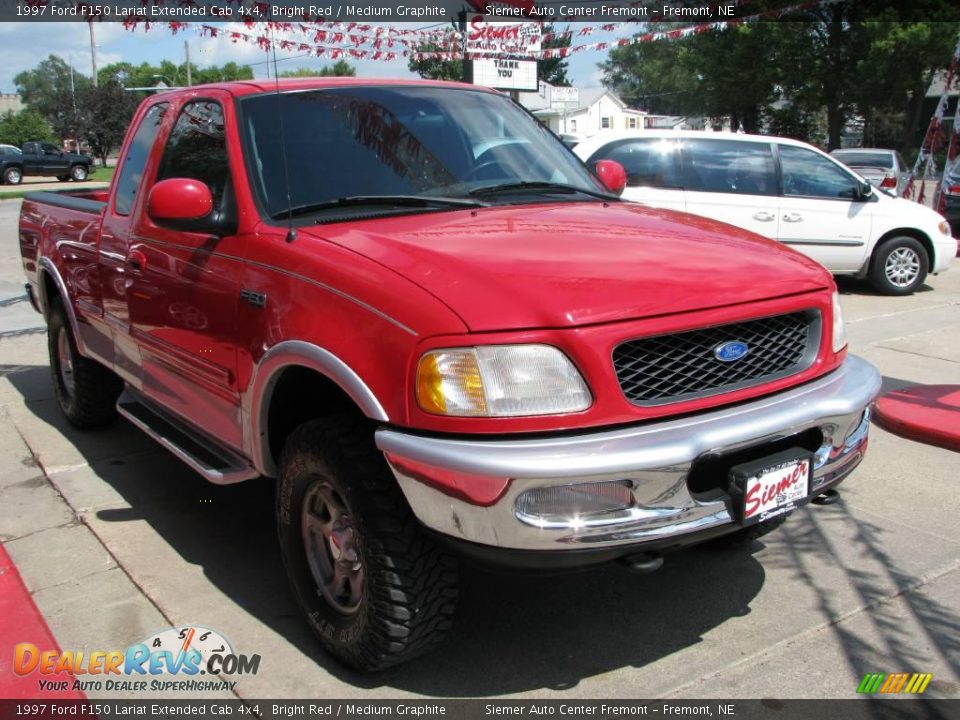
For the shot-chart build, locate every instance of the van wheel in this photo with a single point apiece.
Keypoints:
(12, 176)
(78, 173)
(899, 266)
(86, 391)
(745, 536)
(375, 589)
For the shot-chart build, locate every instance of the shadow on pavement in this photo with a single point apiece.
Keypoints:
(514, 633)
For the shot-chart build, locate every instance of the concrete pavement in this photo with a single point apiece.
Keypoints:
(116, 539)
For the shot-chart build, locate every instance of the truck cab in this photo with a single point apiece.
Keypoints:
(442, 336)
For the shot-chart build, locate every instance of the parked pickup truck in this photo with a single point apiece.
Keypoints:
(40, 158)
(409, 304)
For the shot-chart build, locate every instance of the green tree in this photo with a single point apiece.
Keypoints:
(51, 89)
(108, 110)
(146, 75)
(24, 126)
(434, 68)
(341, 68)
(554, 70)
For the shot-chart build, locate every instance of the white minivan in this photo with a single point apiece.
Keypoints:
(788, 191)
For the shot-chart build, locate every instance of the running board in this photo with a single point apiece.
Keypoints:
(216, 463)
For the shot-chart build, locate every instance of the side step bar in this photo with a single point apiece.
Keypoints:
(216, 463)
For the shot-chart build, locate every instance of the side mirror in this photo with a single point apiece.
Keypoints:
(864, 190)
(612, 175)
(179, 199)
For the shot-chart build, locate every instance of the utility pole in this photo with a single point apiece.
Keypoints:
(93, 52)
(186, 52)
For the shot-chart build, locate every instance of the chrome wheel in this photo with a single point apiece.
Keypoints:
(78, 173)
(65, 357)
(902, 267)
(330, 540)
(13, 176)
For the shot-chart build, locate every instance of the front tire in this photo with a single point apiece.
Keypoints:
(899, 266)
(86, 391)
(13, 176)
(78, 173)
(374, 588)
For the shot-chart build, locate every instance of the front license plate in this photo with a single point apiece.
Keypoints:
(769, 487)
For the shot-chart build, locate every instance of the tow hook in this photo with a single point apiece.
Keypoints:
(642, 563)
(827, 498)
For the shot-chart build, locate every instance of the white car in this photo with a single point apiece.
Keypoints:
(785, 190)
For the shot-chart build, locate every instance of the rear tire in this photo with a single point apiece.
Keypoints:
(899, 266)
(374, 588)
(12, 176)
(78, 173)
(86, 391)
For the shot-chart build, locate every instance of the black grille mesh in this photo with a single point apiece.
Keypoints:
(667, 368)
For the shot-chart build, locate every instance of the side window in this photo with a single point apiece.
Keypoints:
(197, 149)
(729, 166)
(808, 174)
(51, 149)
(649, 163)
(606, 123)
(128, 182)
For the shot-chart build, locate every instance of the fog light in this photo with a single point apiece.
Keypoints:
(571, 504)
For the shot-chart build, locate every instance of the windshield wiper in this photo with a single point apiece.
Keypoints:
(406, 201)
(539, 186)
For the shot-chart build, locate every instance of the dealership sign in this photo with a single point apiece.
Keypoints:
(505, 74)
(485, 36)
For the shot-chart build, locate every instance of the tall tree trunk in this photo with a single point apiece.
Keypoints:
(835, 119)
(751, 120)
(912, 117)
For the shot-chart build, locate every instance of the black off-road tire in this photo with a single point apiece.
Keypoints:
(91, 401)
(409, 587)
(745, 536)
(886, 253)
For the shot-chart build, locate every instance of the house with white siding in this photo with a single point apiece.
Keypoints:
(597, 110)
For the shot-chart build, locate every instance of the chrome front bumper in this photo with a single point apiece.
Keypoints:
(655, 458)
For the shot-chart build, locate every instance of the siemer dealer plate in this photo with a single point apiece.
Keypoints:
(772, 486)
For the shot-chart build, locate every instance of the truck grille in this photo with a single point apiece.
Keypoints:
(669, 368)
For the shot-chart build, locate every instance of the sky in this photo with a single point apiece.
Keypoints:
(23, 46)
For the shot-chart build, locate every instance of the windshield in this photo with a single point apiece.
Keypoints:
(865, 159)
(400, 141)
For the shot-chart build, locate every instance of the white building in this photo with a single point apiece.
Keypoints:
(595, 111)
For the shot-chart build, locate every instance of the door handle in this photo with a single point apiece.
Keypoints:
(136, 260)
(793, 217)
(764, 216)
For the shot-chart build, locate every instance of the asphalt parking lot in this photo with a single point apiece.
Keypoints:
(116, 539)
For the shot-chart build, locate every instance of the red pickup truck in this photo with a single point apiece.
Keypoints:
(444, 336)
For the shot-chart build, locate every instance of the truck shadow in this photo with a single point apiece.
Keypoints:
(514, 632)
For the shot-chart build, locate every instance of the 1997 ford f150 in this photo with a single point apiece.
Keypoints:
(443, 336)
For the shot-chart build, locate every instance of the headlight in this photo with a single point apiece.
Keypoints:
(500, 381)
(839, 331)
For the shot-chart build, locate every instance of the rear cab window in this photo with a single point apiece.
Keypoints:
(128, 181)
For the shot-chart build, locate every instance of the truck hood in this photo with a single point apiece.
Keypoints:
(570, 264)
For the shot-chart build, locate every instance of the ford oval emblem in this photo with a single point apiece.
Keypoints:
(730, 351)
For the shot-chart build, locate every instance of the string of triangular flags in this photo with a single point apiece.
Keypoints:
(934, 137)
